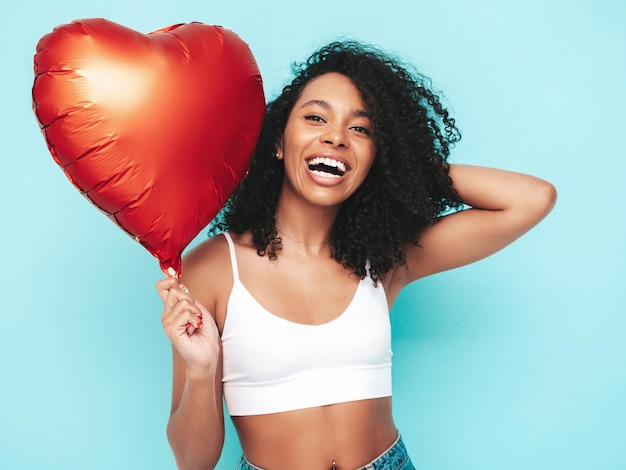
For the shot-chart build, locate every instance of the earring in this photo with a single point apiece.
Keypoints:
(277, 155)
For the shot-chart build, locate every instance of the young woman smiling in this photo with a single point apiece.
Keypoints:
(286, 313)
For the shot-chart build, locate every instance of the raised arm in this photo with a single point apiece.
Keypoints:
(196, 426)
(504, 206)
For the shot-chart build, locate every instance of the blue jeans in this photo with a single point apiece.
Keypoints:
(394, 458)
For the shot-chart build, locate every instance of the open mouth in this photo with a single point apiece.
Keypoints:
(325, 166)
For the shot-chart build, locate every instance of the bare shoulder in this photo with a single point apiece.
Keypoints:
(212, 251)
(207, 273)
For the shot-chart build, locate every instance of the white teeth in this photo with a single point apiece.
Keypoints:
(328, 162)
(325, 174)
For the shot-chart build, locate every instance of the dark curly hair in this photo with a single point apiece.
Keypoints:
(408, 186)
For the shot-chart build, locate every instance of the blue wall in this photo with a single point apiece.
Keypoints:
(516, 362)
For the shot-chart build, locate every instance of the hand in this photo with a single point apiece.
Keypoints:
(183, 321)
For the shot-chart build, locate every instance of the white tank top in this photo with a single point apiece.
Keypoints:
(272, 365)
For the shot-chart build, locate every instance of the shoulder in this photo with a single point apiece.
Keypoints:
(205, 255)
(206, 271)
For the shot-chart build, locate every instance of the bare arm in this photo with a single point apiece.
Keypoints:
(504, 206)
(196, 426)
(195, 430)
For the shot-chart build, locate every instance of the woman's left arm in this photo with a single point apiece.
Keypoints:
(504, 206)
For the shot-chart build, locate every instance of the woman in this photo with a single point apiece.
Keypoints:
(286, 313)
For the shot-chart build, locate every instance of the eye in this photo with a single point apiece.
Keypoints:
(362, 130)
(314, 118)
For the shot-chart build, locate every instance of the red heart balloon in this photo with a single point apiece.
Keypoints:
(156, 130)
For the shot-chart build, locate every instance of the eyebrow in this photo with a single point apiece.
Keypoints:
(326, 105)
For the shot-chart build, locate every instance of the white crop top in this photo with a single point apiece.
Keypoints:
(272, 365)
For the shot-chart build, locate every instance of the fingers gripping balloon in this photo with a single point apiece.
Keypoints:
(156, 130)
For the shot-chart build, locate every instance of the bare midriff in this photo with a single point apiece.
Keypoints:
(350, 434)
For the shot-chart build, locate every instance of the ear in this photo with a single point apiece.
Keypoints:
(279, 149)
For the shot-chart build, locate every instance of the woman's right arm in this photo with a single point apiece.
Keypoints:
(195, 429)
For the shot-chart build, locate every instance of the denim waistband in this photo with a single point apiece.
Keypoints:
(394, 458)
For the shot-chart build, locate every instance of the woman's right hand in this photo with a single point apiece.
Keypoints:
(188, 325)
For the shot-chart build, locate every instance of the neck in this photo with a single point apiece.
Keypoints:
(307, 228)
(310, 244)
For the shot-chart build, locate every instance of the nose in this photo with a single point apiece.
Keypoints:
(336, 136)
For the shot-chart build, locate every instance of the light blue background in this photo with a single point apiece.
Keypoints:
(517, 362)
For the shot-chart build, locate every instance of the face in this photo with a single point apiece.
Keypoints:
(328, 144)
